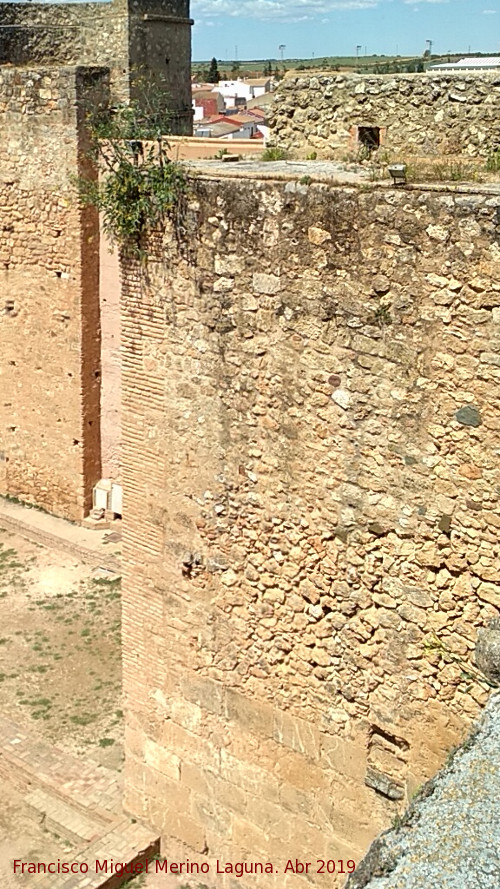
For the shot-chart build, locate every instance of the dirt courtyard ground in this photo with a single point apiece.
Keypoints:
(60, 681)
(60, 671)
(60, 675)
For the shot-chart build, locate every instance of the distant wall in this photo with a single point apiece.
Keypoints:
(150, 36)
(311, 431)
(67, 34)
(49, 308)
(193, 147)
(420, 114)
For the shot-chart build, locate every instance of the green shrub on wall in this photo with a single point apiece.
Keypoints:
(138, 185)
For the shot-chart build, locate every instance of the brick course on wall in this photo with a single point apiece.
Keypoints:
(417, 114)
(49, 309)
(311, 519)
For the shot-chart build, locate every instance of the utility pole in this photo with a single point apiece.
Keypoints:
(429, 44)
(357, 54)
(282, 48)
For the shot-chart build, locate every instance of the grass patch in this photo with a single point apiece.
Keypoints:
(274, 154)
(493, 162)
(107, 582)
(40, 702)
(83, 718)
(110, 597)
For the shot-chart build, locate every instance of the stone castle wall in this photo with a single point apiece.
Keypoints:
(38, 34)
(49, 311)
(311, 518)
(126, 36)
(417, 114)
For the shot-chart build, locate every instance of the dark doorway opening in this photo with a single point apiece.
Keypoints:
(369, 137)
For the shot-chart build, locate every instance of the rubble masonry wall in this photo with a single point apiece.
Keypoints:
(311, 437)
(416, 114)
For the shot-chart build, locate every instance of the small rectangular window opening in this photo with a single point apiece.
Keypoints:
(369, 137)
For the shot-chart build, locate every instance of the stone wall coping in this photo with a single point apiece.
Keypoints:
(282, 171)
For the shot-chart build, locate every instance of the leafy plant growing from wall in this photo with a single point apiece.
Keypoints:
(138, 186)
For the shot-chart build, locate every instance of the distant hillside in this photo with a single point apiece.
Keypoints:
(373, 64)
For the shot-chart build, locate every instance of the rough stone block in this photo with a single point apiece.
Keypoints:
(250, 837)
(383, 784)
(251, 715)
(194, 777)
(487, 653)
(229, 265)
(344, 756)
(185, 829)
(300, 772)
(301, 736)
(266, 284)
(163, 760)
(249, 777)
(204, 692)
(210, 813)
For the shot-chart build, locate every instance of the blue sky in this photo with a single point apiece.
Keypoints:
(335, 27)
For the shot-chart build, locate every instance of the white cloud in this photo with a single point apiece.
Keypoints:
(274, 10)
(489, 12)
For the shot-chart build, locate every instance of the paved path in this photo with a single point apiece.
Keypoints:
(333, 172)
(78, 801)
(93, 547)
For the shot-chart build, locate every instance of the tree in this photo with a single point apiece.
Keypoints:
(235, 70)
(213, 72)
